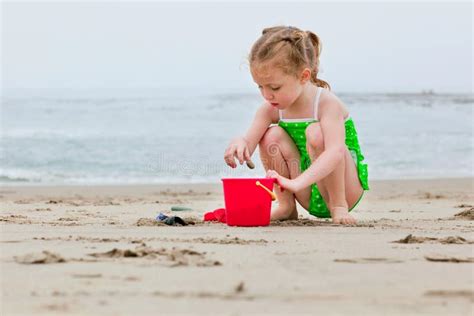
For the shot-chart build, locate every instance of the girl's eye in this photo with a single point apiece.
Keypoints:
(276, 89)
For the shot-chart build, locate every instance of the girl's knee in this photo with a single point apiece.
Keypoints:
(272, 136)
(314, 136)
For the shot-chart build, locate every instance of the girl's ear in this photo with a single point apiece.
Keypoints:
(305, 75)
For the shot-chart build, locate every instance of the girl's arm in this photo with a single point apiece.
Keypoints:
(242, 148)
(262, 120)
(332, 125)
(334, 134)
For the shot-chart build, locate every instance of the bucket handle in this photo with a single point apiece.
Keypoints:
(272, 194)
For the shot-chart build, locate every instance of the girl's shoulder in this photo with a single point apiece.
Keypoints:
(330, 102)
(270, 111)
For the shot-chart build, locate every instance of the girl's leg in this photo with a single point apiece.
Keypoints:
(314, 147)
(341, 189)
(278, 152)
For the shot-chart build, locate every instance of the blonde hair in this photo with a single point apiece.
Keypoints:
(289, 48)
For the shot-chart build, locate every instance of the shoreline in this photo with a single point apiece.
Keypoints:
(177, 184)
(172, 183)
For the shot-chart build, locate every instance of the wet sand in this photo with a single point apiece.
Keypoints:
(97, 250)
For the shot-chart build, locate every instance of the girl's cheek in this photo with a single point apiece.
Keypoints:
(286, 98)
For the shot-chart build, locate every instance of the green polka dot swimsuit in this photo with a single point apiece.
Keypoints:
(296, 130)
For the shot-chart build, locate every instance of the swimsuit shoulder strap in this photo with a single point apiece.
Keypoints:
(316, 102)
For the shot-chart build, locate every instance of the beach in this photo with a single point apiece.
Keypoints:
(115, 120)
(98, 250)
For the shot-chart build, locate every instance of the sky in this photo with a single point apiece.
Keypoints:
(201, 47)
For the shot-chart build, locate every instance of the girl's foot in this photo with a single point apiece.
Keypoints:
(283, 212)
(340, 215)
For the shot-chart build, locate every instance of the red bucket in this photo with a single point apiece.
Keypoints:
(246, 203)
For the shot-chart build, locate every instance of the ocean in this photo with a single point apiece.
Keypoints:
(153, 138)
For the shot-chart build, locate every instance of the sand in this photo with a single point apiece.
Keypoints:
(97, 250)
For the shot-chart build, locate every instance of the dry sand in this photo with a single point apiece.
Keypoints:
(76, 250)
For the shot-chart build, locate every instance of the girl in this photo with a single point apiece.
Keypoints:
(313, 150)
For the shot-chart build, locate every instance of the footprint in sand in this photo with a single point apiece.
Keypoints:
(369, 260)
(87, 275)
(238, 293)
(467, 214)
(452, 259)
(16, 219)
(429, 195)
(57, 307)
(469, 294)
(43, 209)
(170, 257)
(211, 240)
(463, 205)
(54, 202)
(301, 222)
(410, 239)
(44, 257)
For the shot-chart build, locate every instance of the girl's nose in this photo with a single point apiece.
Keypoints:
(267, 95)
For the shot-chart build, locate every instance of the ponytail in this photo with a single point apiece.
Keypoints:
(314, 62)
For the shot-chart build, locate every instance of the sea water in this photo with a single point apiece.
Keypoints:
(154, 138)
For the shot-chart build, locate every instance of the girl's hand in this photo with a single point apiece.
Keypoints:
(238, 148)
(284, 183)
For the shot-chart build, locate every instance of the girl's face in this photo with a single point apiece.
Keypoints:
(278, 88)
